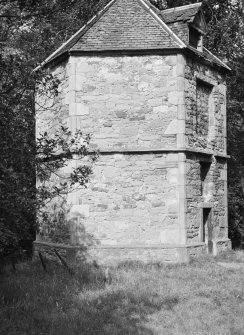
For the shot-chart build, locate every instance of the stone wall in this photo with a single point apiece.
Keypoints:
(132, 200)
(145, 254)
(139, 198)
(196, 77)
(213, 196)
(128, 102)
(203, 96)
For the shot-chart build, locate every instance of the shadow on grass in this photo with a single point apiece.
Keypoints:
(33, 302)
(120, 312)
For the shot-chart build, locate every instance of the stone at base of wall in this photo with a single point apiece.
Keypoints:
(108, 255)
(113, 255)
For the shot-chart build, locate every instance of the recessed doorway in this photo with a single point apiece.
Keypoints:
(207, 229)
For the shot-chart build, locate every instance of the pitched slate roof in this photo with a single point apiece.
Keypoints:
(122, 25)
(212, 58)
(183, 13)
(127, 25)
(133, 25)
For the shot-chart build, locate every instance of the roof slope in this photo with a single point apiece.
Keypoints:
(126, 25)
(135, 25)
(212, 58)
(122, 25)
(183, 13)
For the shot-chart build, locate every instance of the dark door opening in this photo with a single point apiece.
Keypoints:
(204, 169)
(207, 231)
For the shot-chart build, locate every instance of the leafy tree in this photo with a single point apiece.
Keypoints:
(29, 31)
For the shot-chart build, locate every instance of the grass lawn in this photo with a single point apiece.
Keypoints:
(200, 298)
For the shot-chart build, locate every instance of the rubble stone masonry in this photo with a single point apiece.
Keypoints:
(128, 103)
(205, 92)
(155, 119)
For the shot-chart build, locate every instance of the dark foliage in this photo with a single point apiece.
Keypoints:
(29, 31)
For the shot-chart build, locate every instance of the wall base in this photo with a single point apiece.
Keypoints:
(114, 255)
(108, 255)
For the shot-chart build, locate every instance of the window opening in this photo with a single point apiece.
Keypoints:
(203, 92)
(195, 38)
(204, 169)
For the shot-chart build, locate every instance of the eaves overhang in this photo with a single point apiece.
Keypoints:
(211, 60)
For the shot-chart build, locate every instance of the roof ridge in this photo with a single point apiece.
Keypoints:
(154, 14)
(168, 10)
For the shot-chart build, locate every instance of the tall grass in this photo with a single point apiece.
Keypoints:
(199, 298)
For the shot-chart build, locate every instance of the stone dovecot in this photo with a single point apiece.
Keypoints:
(154, 99)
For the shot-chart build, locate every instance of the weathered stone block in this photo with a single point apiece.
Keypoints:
(171, 60)
(172, 157)
(171, 236)
(78, 109)
(172, 127)
(79, 211)
(181, 127)
(173, 98)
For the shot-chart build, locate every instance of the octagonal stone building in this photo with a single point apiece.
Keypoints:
(154, 99)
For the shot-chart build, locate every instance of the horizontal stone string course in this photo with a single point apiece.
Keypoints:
(158, 151)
